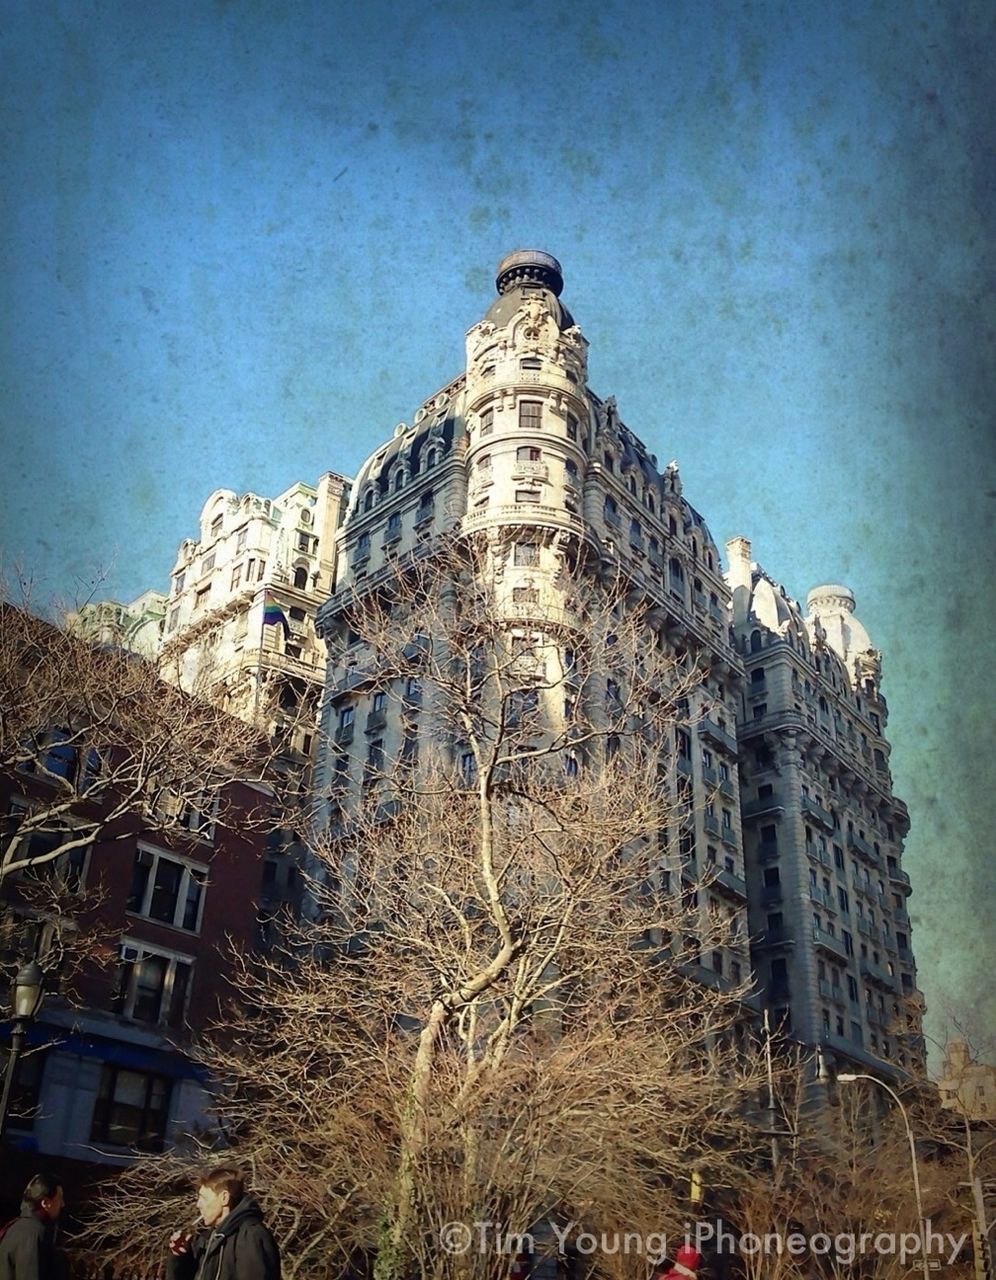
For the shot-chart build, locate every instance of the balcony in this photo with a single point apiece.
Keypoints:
(720, 738)
(376, 721)
(823, 898)
(861, 846)
(726, 788)
(823, 816)
(728, 835)
(779, 937)
(767, 851)
(709, 776)
(730, 881)
(344, 735)
(829, 942)
(900, 877)
(875, 973)
(754, 808)
(900, 915)
(771, 893)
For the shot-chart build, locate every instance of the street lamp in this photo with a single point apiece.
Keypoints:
(29, 991)
(848, 1077)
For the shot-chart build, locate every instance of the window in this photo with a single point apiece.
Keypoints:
(379, 700)
(346, 716)
(236, 577)
(530, 415)
(527, 495)
(528, 454)
(197, 814)
(525, 555)
(530, 362)
(303, 542)
(178, 582)
(132, 1109)
(635, 532)
(487, 421)
(297, 614)
(363, 545)
(207, 564)
(216, 524)
(375, 754)
(610, 510)
(152, 985)
(174, 618)
(201, 597)
(240, 540)
(572, 427)
(166, 889)
(393, 525)
(468, 769)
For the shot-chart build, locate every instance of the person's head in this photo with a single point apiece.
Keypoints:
(43, 1195)
(218, 1192)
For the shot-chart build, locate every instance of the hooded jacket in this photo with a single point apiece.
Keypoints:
(240, 1247)
(27, 1250)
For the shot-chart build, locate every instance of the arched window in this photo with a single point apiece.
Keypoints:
(398, 479)
(300, 577)
(368, 500)
(632, 485)
(650, 502)
(756, 643)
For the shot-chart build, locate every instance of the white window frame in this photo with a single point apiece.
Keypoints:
(189, 866)
(133, 950)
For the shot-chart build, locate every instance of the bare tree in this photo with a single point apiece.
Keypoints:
(98, 746)
(500, 1017)
(846, 1182)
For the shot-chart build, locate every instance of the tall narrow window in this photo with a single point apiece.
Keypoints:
(530, 414)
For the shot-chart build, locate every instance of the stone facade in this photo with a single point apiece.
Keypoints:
(823, 830)
(967, 1086)
(519, 448)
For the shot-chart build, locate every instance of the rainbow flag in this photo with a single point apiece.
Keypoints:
(273, 615)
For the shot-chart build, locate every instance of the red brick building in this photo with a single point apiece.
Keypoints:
(106, 1072)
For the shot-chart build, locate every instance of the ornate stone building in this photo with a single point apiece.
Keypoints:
(208, 633)
(790, 721)
(823, 831)
(518, 448)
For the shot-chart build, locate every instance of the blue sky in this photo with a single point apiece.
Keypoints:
(243, 239)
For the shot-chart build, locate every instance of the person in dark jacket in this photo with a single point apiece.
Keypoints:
(27, 1249)
(234, 1242)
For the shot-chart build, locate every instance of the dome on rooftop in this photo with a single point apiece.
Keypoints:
(528, 269)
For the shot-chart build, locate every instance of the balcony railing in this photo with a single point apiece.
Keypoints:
(730, 881)
(711, 731)
(753, 808)
(830, 942)
(822, 816)
(767, 850)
